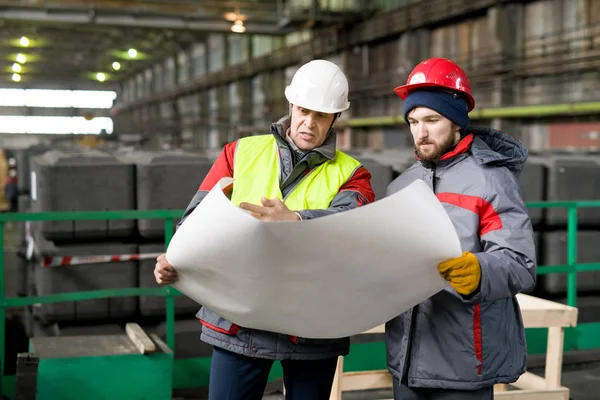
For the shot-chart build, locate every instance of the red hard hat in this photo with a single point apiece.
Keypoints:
(441, 73)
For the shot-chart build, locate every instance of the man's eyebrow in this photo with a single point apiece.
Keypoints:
(428, 116)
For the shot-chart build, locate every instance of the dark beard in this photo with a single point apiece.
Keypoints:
(439, 150)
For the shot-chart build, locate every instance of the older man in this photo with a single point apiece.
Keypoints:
(293, 174)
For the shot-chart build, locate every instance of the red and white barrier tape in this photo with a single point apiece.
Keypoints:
(64, 261)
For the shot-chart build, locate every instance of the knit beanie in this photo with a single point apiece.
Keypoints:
(450, 105)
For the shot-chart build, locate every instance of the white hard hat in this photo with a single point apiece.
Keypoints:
(319, 85)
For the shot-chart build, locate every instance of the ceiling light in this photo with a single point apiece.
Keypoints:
(234, 16)
(24, 41)
(101, 77)
(116, 66)
(238, 27)
(16, 67)
(16, 77)
(132, 53)
(21, 58)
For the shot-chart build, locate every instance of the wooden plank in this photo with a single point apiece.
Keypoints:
(377, 329)
(529, 381)
(547, 394)
(379, 379)
(541, 313)
(536, 312)
(336, 389)
(554, 356)
(500, 387)
(139, 338)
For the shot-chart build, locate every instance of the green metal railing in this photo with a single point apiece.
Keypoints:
(166, 291)
(589, 332)
(572, 267)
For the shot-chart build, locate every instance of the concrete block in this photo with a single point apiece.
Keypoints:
(82, 181)
(165, 180)
(532, 183)
(574, 178)
(85, 277)
(555, 253)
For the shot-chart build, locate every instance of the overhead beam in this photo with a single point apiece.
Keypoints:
(140, 21)
(156, 5)
(63, 84)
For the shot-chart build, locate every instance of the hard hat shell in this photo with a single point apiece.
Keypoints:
(438, 73)
(319, 85)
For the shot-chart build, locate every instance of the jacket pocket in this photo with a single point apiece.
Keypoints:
(214, 322)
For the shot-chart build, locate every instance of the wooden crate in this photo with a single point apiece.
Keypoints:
(537, 313)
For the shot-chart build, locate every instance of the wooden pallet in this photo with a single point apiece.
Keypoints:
(537, 313)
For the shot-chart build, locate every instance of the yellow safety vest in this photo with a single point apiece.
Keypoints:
(257, 171)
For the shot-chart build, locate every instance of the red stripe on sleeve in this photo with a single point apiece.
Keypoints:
(489, 220)
(360, 182)
(222, 168)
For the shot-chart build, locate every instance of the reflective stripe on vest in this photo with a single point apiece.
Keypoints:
(257, 173)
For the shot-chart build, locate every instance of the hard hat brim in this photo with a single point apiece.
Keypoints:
(314, 107)
(404, 90)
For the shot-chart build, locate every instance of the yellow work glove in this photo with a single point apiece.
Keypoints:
(463, 273)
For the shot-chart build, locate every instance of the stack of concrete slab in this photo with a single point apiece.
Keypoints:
(569, 177)
(80, 180)
(574, 178)
(165, 180)
(532, 182)
(555, 253)
(84, 277)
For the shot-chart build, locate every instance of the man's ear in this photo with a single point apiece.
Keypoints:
(291, 107)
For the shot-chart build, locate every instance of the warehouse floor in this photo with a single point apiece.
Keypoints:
(583, 379)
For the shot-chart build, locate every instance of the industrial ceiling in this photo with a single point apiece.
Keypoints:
(67, 43)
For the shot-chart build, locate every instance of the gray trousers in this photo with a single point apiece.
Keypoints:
(402, 392)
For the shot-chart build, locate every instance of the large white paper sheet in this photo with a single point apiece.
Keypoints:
(329, 277)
